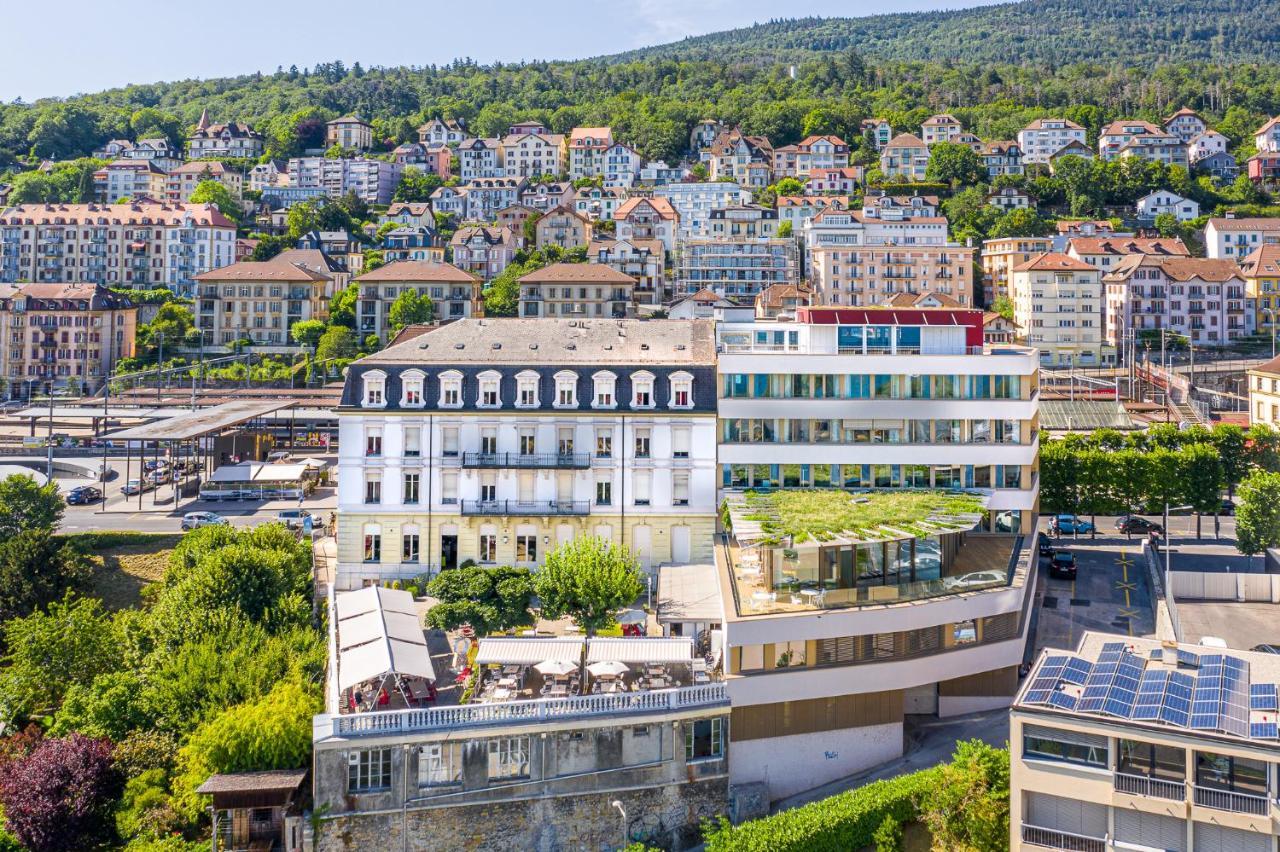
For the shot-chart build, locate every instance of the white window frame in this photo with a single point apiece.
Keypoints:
(566, 380)
(450, 383)
(526, 380)
(604, 382)
(373, 392)
(642, 382)
(413, 382)
(681, 381)
(362, 767)
(490, 381)
(439, 764)
(508, 758)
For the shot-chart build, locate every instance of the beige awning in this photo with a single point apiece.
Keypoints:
(528, 651)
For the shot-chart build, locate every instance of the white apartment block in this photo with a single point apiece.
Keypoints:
(587, 147)
(1044, 137)
(1186, 124)
(1130, 743)
(1057, 301)
(446, 131)
(940, 128)
(695, 201)
(495, 440)
(1234, 239)
(906, 156)
(621, 165)
(479, 158)
(830, 643)
(138, 245)
(1201, 298)
(373, 181)
(1163, 201)
(533, 154)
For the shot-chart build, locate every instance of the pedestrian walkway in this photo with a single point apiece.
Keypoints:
(325, 550)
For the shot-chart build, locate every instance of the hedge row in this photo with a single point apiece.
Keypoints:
(846, 821)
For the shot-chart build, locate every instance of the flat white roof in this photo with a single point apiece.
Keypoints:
(258, 472)
(689, 593)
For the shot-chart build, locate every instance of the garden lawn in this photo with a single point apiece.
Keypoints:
(823, 513)
(121, 570)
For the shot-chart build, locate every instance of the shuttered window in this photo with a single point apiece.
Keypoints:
(1155, 831)
(1041, 743)
(1069, 815)
(1217, 838)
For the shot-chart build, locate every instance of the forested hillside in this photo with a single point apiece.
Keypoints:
(652, 101)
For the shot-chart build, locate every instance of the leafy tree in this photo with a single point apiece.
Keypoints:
(212, 191)
(1258, 515)
(1264, 447)
(1231, 444)
(268, 247)
(502, 296)
(26, 505)
(307, 333)
(1004, 307)
(172, 326)
(1167, 225)
(489, 599)
(409, 308)
(68, 647)
(1059, 477)
(338, 341)
(416, 185)
(968, 810)
(588, 579)
(954, 164)
(108, 707)
(788, 186)
(35, 571)
(60, 795)
(785, 230)
(342, 307)
(1023, 222)
(1202, 474)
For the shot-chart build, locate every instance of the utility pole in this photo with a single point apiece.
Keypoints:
(49, 442)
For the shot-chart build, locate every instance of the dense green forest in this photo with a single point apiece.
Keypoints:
(653, 101)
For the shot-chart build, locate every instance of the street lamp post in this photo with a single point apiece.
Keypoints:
(1271, 321)
(617, 804)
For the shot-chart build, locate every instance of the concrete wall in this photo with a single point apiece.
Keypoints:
(793, 764)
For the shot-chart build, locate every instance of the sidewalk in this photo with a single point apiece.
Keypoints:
(326, 561)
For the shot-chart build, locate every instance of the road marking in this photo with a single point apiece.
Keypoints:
(1128, 587)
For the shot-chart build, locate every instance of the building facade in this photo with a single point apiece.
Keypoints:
(454, 293)
(642, 260)
(259, 301)
(1057, 301)
(735, 267)
(482, 250)
(1201, 298)
(491, 440)
(1000, 256)
(351, 132)
(1264, 393)
(1044, 137)
(591, 290)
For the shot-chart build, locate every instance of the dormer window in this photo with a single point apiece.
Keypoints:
(681, 390)
(411, 384)
(375, 389)
(642, 390)
(451, 389)
(527, 389)
(490, 389)
(566, 389)
(605, 390)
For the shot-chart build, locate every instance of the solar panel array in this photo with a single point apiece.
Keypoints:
(1216, 696)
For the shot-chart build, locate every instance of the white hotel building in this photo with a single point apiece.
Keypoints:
(494, 440)
(830, 643)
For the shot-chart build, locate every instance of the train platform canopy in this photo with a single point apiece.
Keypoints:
(201, 422)
(1084, 415)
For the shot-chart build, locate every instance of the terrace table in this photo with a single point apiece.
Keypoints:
(559, 691)
(508, 682)
(814, 596)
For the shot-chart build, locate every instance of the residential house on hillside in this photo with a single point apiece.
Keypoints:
(441, 131)
(1073, 148)
(450, 201)
(454, 294)
(587, 146)
(479, 158)
(643, 260)
(812, 152)
(833, 181)
(410, 242)
(130, 180)
(231, 140)
(598, 203)
(562, 227)
(732, 155)
(1267, 137)
(1261, 272)
(1264, 168)
(436, 160)
(693, 202)
(704, 133)
(782, 299)
(643, 218)
(486, 196)
(799, 209)
(1221, 166)
(567, 290)
(736, 267)
(1002, 158)
(877, 131)
(1162, 201)
(1117, 134)
(416, 214)
(1106, 252)
(968, 140)
(1200, 298)
(1204, 144)
(1162, 148)
(529, 151)
(259, 301)
(704, 304)
(999, 257)
(483, 250)
(1011, 198)
(514, 217)
(658, 173)
(544, 196)
(621, 165)
(745, 221)
(183, 180)
(269, 174)
(349, 131)
(1186, 124)
(906, 156)
(1045, 137)
(943, 127)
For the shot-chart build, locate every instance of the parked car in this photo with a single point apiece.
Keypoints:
(1045, 544)
(1138, 525)
(1266, 649)
(193, 520)
(1228, 507)
(293, 518)
(134, 486)
(83, 494)
(1063, 565)
(1068, 524)
(278, 456)
(977, 578)
(159, 477)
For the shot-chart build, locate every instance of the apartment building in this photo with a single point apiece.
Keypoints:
(1057, 301)
(940, 128)
(591, 290)
(1162, 148)
(455, 294)
(233, 140)
(158, 151)
(260, 301)
(587, 146)
(621, 165)
(642, 218)
(183, 180)
(490, 439)
(598, 203)
(906, 156)
(128, 180)
(1261, 273)
(1186, 124)
(1044, 137)
(1233, 239)
(745, 221)
(442, 131)
(1206, 144)
(433, 161)
(832, 637)
(351, 132)
(60, 336)
(530, 154)
(1000, 256)
(1105, 252)
(642, 260)
(410, 242)
(1267, 137)
(486, 196)
(812, 152)
(799, 209)
(833, 181)
(143, 244)
(737, 268)
(562, 227)
(1002, 158)
(878, 132)
(693, 202)
(868, 275)
(373, 181)
(545, 196)
(268, 175)
(482, 250)
(733, 155)
(1264, 393)
(1124, 743)
(1163, 201)
(1201, 298)
(479, 158)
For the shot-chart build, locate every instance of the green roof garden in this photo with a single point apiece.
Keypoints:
(817, 515)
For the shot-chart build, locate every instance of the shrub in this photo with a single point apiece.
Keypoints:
(888, 836)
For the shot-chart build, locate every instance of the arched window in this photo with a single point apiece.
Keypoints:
(451, 389)
(375, 389)
(411, 389)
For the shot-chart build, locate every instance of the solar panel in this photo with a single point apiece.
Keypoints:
(1044, 683)
(1077, 671)
(1173, 715)
(1111, 652)
(1263, 730)
(1204, 721)
(1062, 700)
(1263, 696)
(1146, 712)
(1038, 696)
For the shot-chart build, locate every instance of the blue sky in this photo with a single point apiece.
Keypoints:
(74, 46)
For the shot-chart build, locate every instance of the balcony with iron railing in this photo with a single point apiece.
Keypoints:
(1228, 800)
(579, 461)
(525, 507)
(1146, 785)
(1052, 838)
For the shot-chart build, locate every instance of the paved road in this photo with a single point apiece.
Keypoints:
(1110, 594)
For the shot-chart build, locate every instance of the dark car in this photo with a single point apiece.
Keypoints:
(83, 494)
(1138, 525)
(1063, 565)
(1228, 508)
(1045, 544)
(1266, 649)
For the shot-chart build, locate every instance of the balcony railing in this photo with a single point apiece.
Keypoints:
(526, 507)
(515, 712)
(527, 460)
(1051, 838)
(1158, 788)
(1226, 800)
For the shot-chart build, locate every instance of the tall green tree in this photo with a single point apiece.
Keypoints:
(957, 165)
(968, 810)
(337, 342)
(1258, 515)
(211, 191)
(27, 506)
(1202, 479)
(409, 308)
(489, 599)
